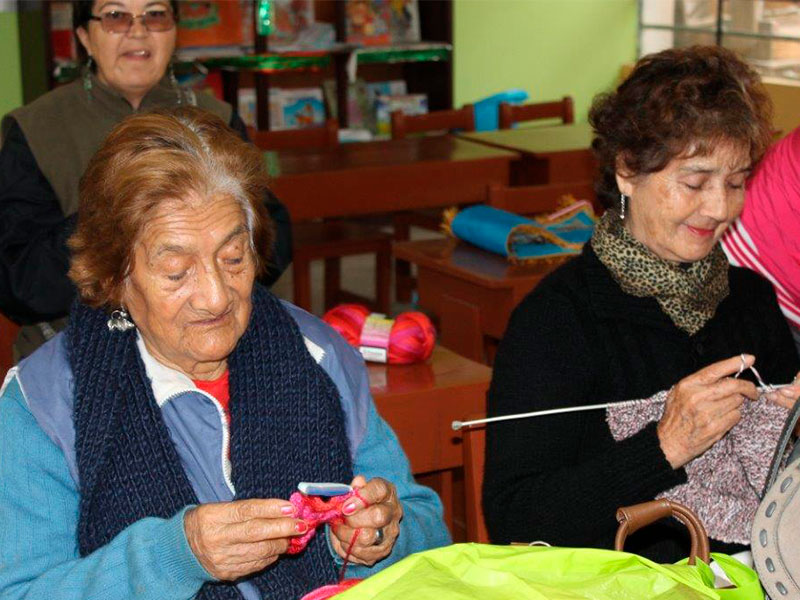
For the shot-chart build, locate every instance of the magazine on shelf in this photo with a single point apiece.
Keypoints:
(213, 23)
(295, 108)
(368, 22)
(410, 104)
(404, 21)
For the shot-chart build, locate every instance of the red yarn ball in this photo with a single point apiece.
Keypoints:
(411, 339)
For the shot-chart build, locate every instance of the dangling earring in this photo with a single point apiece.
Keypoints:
(120, 320)
(87, 78)
(622, 199)
(174, 81)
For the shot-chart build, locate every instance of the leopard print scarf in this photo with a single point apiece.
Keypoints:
(688, 293)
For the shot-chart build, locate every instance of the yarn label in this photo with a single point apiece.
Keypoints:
(374, 342)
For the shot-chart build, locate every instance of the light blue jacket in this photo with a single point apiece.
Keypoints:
(151, 559)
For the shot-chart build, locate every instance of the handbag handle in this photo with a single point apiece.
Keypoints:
(633, 518)
(783, 442)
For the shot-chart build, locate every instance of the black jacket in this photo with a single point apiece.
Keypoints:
(578, 339)
(34, 258)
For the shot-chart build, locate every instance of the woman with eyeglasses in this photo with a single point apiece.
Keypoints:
(46, 145)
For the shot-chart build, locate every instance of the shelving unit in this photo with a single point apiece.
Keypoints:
(426, 67)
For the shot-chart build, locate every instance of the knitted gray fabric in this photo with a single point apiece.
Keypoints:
(724, 484)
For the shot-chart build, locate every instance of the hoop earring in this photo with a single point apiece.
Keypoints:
(622, 199)
(120, 320)
(87, 77)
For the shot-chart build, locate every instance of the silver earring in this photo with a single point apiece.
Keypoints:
(87, 78)
(175, 86)
(622, 199)
(120, 321)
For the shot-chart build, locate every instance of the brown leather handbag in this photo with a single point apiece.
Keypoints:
(633, 518)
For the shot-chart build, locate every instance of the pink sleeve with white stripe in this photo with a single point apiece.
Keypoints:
(766, 238)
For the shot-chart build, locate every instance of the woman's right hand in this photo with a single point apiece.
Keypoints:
(234, 539)
(703, 407)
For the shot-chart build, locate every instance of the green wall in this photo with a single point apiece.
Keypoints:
(10, 79)
(549, 48)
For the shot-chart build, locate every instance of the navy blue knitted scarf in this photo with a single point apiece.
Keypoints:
(287, 425)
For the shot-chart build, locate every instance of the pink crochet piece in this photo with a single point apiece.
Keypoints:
(315, 511)
(329, 591)
(725, 483)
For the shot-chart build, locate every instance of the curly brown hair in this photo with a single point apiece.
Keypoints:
(674, 102)
(150, 159)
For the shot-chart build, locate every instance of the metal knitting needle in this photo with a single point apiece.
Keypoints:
(456, 425)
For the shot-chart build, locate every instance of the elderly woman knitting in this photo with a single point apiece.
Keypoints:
(650, 305)
(149, 450)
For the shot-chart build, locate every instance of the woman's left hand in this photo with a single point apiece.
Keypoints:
(381, 514)
(787, 396)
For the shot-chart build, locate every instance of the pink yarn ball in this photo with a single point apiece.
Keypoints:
(348, 320)
(411, 339)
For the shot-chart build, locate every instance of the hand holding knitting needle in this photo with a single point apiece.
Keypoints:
(378, 520)
(703, 407)
(786, 396)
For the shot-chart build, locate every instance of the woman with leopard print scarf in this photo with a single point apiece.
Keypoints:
(651, 304)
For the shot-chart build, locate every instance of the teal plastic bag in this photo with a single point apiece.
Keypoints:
(468, 571)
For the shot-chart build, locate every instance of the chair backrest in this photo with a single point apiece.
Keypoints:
(8, 334)
(461, 118)
(474, 448)
(326, 136)
(532, 199)
(563, 109)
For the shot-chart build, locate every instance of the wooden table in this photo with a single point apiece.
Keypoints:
(420, 402)
(386, 176)
(553, 154)
(471, 291)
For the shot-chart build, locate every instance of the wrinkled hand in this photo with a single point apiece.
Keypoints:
(787, 396)
(383, 512)
(234, 539)
(701, 408)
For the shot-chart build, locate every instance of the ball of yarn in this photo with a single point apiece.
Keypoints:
(411, 339)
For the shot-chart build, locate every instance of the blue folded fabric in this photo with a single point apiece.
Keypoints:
(521, 238)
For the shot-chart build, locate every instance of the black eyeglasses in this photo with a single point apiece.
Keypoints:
(117, 21)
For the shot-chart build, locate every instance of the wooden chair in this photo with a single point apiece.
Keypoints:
(474, 448)
(8, 334)
(330, 240)
(438, 120)
(563, 109)
(532, 199)
(326, 136)
(403, 125)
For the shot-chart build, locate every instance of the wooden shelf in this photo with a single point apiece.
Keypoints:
(426, 67)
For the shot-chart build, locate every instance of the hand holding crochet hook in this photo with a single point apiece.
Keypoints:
(377, 513)
(703, 407)
(235, 539)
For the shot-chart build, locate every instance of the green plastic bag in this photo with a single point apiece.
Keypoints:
(489, 572)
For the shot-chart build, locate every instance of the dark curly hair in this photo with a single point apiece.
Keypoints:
(676, 101)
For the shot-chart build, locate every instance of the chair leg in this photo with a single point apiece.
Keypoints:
(383, 281)
(301, 267)
(333, 281)
(402, 269)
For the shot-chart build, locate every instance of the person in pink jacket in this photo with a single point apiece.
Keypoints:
(766, 237)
